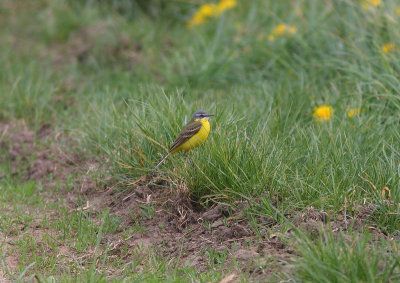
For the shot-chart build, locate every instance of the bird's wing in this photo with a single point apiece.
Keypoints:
(188, 131)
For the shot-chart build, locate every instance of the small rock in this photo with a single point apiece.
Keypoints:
(212, 214)
(217, 224)
(240, 231)
(224, 233)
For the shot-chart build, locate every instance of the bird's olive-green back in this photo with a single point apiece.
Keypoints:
(188, 131)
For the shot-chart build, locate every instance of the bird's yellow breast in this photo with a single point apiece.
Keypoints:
(197, 138)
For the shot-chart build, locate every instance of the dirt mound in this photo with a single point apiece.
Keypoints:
(39, 156)
(178, 227)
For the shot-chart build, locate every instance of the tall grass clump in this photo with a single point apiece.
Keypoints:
(277, 148)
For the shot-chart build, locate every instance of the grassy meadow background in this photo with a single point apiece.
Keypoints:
(122, 77)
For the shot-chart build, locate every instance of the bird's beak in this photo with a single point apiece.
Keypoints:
(210, 115)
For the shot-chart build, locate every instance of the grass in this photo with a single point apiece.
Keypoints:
(337, 259)
(122, 78)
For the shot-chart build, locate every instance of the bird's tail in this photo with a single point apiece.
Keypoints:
(162, 160)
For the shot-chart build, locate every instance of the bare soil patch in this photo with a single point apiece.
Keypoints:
(45, 156)
(38, 156)
(180, 228)
(312, 220)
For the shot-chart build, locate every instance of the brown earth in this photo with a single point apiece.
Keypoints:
(172, 224)
(38, 156)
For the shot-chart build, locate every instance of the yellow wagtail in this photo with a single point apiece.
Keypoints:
(193, 134)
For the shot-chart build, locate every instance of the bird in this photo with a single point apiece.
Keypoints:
(192, 135)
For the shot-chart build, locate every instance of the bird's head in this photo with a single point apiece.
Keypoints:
(201, 115)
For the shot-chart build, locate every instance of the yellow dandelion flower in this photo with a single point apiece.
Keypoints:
(226, 5)
(208, 10)
(279, 29)
(388, 47)
(205, 11)
(369, 4)
(292, 29)
(398, 11)
(323, 113)
(353, 111)
(196, 20)
(374, 3)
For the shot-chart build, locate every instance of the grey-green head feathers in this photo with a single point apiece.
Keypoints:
(201, 114)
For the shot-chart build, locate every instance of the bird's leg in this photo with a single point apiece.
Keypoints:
(162, 160)
(188, 160)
